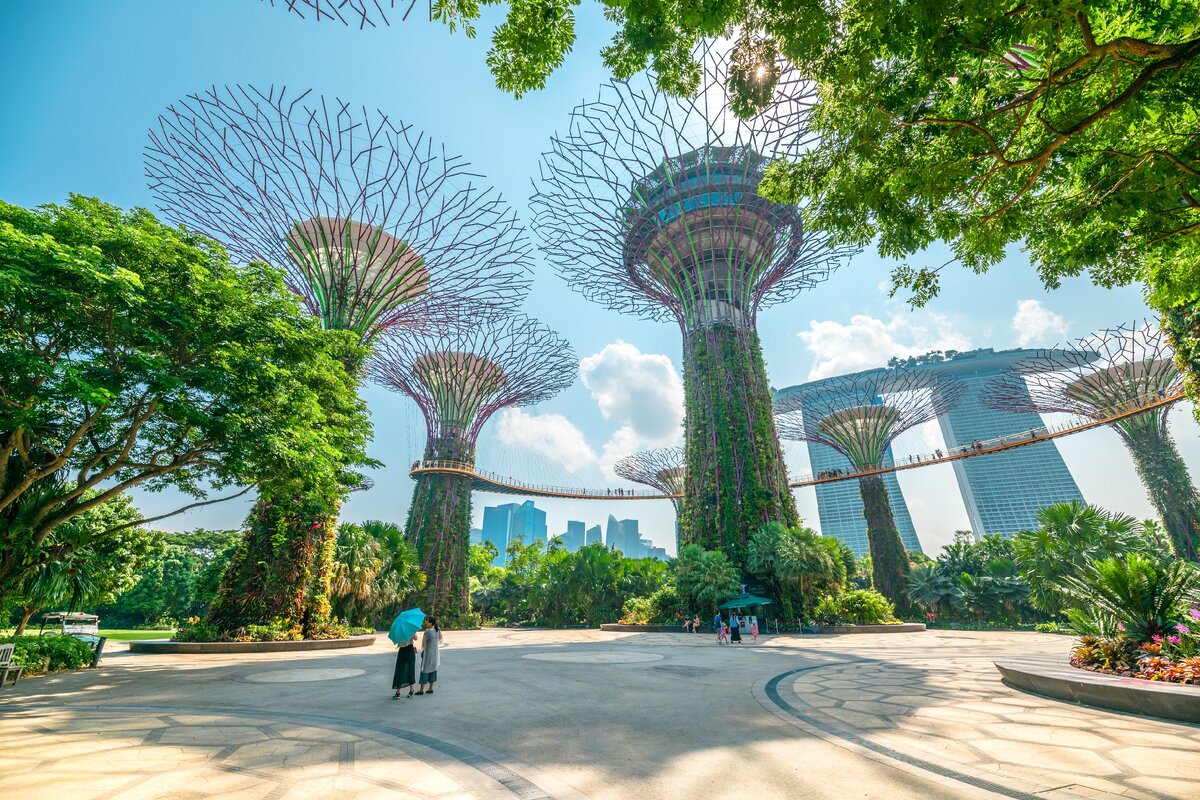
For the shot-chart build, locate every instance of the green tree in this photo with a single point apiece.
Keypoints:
(1070, 536)
(134, 354)
(705, 578)
(375, 570)
(97, 565)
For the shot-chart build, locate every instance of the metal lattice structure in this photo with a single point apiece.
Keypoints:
(461, 375)
(374, 224)
(860, 415)
(1098, 375)
(648, 203)
(662, 469)
(351, 13)
(1104, 374)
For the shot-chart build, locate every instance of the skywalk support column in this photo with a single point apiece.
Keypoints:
(859, 416)
(1105, 374)
(376, 227)
(459, 377)
(649, 204)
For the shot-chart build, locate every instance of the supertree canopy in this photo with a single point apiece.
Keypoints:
(1103, 375)
(649, 205)
(352, 13)
(460, 376)
(373, 223)
(662, 469)
(375, 227)
(860, 415)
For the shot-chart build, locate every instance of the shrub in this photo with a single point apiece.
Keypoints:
(40, 654)
(1143, 594)
(1053, 627)
(665, 603)
(636, 611)
(854, 607)
(195, 629)
(277, 630)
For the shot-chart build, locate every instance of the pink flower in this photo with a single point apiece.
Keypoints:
(1156, 639)
(1184, 629)
(1121, 626)
(1174, 639)
(1195, 612)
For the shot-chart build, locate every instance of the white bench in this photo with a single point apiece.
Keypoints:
(7, 667)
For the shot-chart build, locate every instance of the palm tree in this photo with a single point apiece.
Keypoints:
(1147, 595)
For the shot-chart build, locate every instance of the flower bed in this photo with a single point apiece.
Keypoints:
(198, 630)
(1172, 655)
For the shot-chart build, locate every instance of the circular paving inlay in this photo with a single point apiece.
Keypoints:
(303, 675)
(595, 657)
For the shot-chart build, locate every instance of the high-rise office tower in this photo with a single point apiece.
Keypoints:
(593, 536)
(573, 538)
(511, 522)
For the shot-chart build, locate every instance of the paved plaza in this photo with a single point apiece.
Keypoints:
(522, 715)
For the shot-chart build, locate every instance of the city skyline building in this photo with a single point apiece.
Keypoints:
(573, 537)
(510, 522)
(593, 536)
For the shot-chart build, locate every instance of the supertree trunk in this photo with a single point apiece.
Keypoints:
(1182, 326)
(281, 569)
(1165, 476)
(736, 480)
(889, 560)
(439, 525)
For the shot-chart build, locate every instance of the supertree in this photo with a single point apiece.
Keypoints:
(352, 13)
(662, 469)
(649, 205)
(460, 376)
(859, 416)
(374, 226)
(1105, 374)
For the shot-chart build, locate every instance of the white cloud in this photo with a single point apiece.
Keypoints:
(552, 436)
(640, 391)
(867, 342)
(1036, 324)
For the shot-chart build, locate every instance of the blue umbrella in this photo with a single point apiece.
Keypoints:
(406, 625)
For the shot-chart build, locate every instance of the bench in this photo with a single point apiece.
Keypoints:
(7, 667)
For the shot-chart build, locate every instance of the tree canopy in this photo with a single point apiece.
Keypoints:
(1068, 125)
(133, 354)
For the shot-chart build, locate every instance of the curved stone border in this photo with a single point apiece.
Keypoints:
(903, 627)
(616, 626)
(165, 647)
(1052, 678)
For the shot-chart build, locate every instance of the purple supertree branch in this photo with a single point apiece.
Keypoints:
(611, 145)
(661, 469)
(1095, 376)
(860, 415)
(461, 375)
(250, 167)
(351, 13)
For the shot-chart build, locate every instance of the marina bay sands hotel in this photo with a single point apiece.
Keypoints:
(1002, 492)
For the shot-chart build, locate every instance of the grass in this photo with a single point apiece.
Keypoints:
(113, 634)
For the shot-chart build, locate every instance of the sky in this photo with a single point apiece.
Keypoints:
(86, 80)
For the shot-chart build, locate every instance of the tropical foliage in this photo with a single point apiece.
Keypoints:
(799, 566)
(135, 354)
(375, 573)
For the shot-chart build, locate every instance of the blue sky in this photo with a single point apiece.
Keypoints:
(85, 80)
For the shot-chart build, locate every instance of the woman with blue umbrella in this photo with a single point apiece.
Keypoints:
(403, 631)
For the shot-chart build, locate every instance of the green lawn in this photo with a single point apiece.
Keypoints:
(113, 634)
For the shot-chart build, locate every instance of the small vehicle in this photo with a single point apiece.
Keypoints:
(72, 623)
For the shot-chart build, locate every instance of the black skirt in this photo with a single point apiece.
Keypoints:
(735, 634)
(406, 667)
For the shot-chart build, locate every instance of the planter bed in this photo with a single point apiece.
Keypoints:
(1051, 677)
(165, 647)
(903, 627)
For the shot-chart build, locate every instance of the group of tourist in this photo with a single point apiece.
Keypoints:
(731, 632)
(406, 673)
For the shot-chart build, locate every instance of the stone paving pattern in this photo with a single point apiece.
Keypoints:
(587, 714)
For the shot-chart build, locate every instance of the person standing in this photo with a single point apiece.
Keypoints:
(717, 622)
(735, 633)
(431, 646)
(406, 667)
(754, 630)
(695, 623)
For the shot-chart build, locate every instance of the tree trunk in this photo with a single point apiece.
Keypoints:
(736, 480)
(439, 525)
(889, 560)
(26, 613)
(1165, 476)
